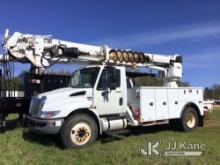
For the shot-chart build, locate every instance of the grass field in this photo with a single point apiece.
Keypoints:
(19, 146)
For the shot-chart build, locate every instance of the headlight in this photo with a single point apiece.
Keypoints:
(48, 114)
(42, 102)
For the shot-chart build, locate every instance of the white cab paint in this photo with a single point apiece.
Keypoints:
(109, 103)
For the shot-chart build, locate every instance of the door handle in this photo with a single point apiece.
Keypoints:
(151, 104)
(164, 103)
(120, 101)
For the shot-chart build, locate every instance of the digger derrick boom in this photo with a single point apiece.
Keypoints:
(42, 50)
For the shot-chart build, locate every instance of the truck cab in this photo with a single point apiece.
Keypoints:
(97, 90)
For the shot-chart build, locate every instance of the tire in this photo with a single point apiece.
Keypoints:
(79, 131)
(189, 120)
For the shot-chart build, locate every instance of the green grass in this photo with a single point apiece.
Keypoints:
(19, 146)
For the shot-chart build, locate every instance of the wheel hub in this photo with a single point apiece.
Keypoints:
(190, 120)
(81, 133)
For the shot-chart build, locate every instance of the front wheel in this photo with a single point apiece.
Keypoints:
(79, 131)
(189, 120)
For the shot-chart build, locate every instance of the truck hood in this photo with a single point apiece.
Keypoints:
(66, 92)
(63, 99)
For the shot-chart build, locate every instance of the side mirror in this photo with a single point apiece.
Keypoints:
(105, 92)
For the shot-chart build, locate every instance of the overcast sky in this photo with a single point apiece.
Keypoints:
(188, 28)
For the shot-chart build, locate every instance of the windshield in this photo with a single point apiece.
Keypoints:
(84, 78)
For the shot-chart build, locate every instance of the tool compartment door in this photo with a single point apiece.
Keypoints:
(161, 103)
(147, 104)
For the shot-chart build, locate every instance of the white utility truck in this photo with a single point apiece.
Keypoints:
(101, 97)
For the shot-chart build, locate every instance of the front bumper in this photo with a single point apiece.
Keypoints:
(44, 126)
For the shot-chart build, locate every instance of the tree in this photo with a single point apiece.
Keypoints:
(207, 93)
(216, 91)
(213, 92)
(13, 84)
(156, 81)
(183, 83)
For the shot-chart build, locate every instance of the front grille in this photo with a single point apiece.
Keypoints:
(34, 107)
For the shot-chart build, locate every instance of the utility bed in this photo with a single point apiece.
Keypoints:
(163, 103)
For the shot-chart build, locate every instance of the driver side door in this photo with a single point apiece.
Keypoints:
(108, 93)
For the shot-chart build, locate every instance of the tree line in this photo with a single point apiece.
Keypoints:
(156, 81)
(212, 92)
(209, 92)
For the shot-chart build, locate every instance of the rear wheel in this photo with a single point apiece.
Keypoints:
(189, 120)
(79, 131)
